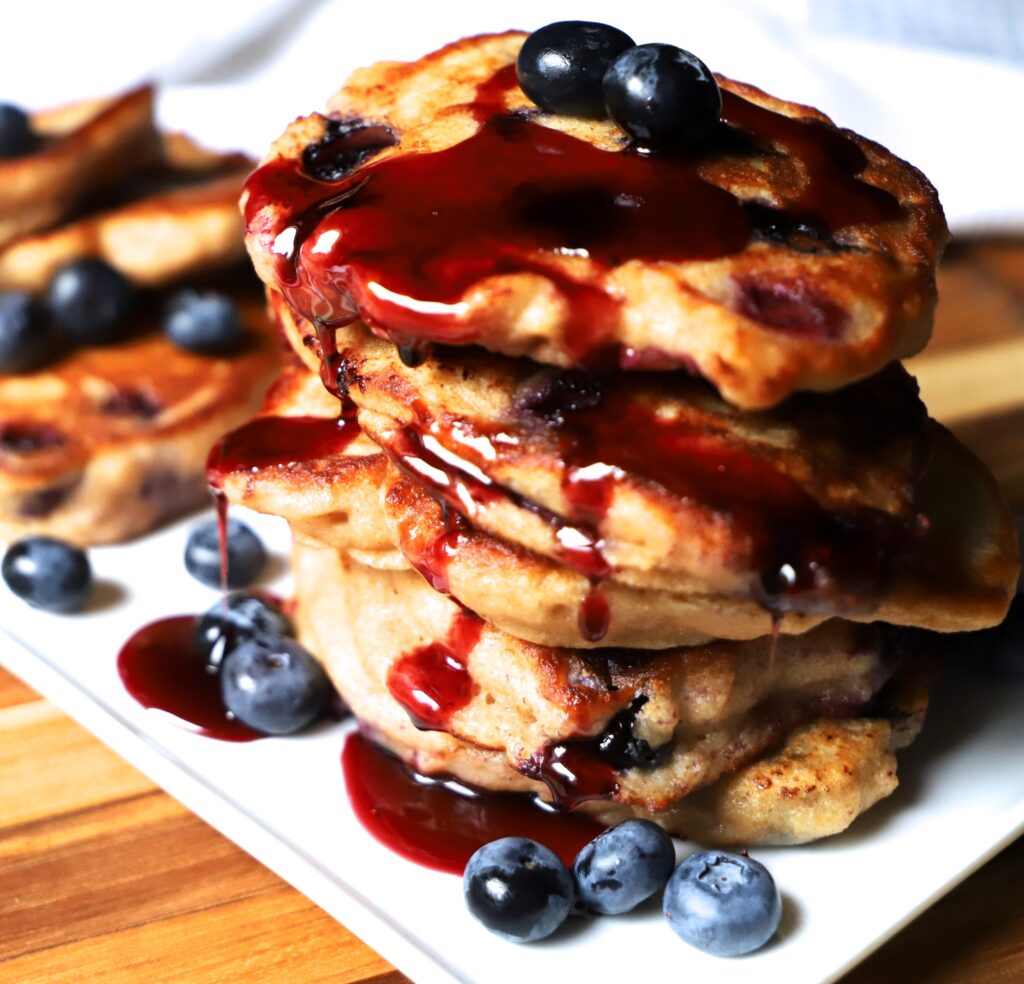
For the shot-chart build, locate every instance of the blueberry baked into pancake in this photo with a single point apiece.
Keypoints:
(605, 482)
(131, 336)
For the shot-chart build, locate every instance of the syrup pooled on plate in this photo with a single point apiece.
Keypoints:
(439, 823)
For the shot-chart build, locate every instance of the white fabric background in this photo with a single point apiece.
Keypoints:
(940, 82)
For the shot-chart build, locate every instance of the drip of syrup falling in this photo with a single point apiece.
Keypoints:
(439, 823)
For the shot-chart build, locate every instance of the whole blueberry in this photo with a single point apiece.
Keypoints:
(724, 904)
(273, 685)
(26, 333)
(662, 96)
(246, 554)
(234, 619)
(518, 889)
(48, 573)
(17, 138)
(206, 323)
(560, 66)
(91, 301)
(623, 866)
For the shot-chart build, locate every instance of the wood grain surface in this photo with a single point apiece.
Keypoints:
(105, 877)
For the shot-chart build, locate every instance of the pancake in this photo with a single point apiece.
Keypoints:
(437, 203)
(635, 731)
(106, 443)
(174, 218)
(85, 147)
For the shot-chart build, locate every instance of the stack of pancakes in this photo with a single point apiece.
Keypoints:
(102, 443)
(626, 501)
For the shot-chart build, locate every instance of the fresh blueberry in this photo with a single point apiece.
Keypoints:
(246, 554)
(26, 334)
(518, 889)
(623, 866)
(91, 301)
(724, 904)
(48, 573)
(662, 96)
(560, 67)
(273, 685)
(235, 619)
(17, 137)
(204, 323)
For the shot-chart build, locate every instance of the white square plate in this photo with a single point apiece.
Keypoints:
(283, 799)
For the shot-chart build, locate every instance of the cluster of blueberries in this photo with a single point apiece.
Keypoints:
(89, 302)
(661, 95)
(268, 681)
(724, 904)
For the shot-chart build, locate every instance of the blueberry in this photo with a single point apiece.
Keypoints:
(724, 904)
(204, 323)
(91, 301)
(233, 620)
(345, 145)
(560, 67)
(623, 866)
(246, 554)
(26, 334)
(662, 96)
(273, 685)
(518, 889)
(48, 573)
(17, 137)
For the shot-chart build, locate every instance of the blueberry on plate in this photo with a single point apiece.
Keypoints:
(723, 904)
(622, 866)
(48, 573)
(518, 889)
(662, 96)
(17, 138)
(206, 323)
(273, 685)
(561, 66)
(246, 554)
(91, 301)
(26, 334)
(235, 619)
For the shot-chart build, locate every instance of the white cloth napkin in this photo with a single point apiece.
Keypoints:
(943, 89)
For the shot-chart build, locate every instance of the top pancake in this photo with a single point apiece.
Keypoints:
(784, 255)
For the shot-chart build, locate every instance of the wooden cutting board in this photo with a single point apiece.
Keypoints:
(105, 877)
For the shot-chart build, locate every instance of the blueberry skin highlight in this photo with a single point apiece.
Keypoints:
(207, 324)
(662, 96)
(518, 889)
(622, 866)
(48, 573)
(236, 618)
(246, 554)
(561, 66)
(26, 333)
(273, 685)
(91, 301)
(724, 904)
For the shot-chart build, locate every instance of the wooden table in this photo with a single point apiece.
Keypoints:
(105, 877)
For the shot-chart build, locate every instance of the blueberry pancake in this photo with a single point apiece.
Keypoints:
(439, 204)
(621, 732)
(81, 149)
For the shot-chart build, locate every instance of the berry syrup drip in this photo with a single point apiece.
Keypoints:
(432, 682)
(594, 614)
(586, 768)
(438, 822)
(270, 442)
(400, 240)
(161, 667)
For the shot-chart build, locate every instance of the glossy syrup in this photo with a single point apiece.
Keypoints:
(162, 668)
(439, 823)
(433, 681)
(401, 240)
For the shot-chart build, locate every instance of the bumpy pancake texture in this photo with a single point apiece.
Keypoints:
(620, 509)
